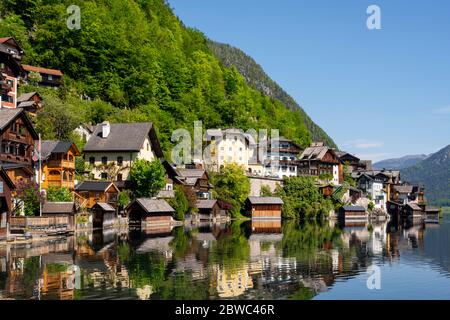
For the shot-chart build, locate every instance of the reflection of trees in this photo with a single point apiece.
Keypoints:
(180, 286)
(181, 242)
(231, 249)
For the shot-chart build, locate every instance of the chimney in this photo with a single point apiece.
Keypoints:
(106, 129)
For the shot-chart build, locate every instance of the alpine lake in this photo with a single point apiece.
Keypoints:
(239, 260)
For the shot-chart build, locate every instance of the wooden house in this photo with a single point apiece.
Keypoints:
(17, 137)
(320, 160)
(10, 71)
(19, 173)
(50, 78)
(88, 193)
(146, 212)
(104, 215)
(61, 209)
(264, 207)
(352, 162)
(208, 210)
(414, 211)
(58, 164)
(352, 213)
(6, 188)
(327, 190)
(30, 102)
(113, 148)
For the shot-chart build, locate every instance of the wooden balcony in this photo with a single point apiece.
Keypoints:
(61, 184)
(15, 159)
(57, 164)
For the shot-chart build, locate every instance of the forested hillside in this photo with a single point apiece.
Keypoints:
(135, 61)
(399, 163)
(256, 77)
(434, 173)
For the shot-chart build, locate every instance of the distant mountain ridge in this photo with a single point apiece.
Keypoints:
(259, 80)
(434, 173)
(399, 163)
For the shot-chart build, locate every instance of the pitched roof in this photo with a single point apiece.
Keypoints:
(53, 72)
(166, 194)
(8, 115)
(124, 137)
(55, 146)
(94, 186)
(58, 207)
(26, 96)
(154, 205)
(315, 153)
(105, 206)
(403, 189)
(205, 204)
(353, 208)
(25, 104)
(413, 206)
(265, 200)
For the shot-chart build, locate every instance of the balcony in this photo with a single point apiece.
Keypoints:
(66, 164)
(60, 184)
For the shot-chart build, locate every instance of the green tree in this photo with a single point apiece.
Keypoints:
(147, 178)
(232, 185)
(29, 198)
(55, 194)
(265, 191)
(179, 203)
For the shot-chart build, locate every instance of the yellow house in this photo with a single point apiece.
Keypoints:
(112, 149)
(58, 164)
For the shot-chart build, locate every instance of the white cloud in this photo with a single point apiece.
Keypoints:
(363, 144)
(443, 110)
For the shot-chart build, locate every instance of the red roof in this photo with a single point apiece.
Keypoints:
(42, 70)
(2, 40)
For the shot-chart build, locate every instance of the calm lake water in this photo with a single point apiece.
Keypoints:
(242, 260)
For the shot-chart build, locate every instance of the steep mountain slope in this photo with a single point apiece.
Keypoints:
(399, 163)
(259, 80)
(434, 173)
(134, 60)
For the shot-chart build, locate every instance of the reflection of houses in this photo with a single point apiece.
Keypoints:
(159, 244)
(88, 193)
(266, 226)
(231, 283)
(320, 161)
(58, 164)
(113, 148)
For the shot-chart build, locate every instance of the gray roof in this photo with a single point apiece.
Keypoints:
(191, 173)
(123, 137)
(105, 206)
(26, 96)
(403, 189)
(58, 207)
(265, 200)
(314, 153)
(8, 115)
(354, 208)
(413, 206)
(154, 205)
(25, 104)
(93, 186)
(206, 204)
(54, 146)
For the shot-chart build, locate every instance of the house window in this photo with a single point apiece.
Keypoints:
(91, 160)
(104, 160)
(104, 176)
(119, 161)
(50, 77)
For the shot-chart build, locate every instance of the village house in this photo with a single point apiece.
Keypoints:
(352, 214)
(17, 144)
(10, 71)
(406, 193)
(50, 78)
(6, 206)
(264, 207)
(89, 193)
(226, 147)
(146, 212)
(30, 102)
(103, 215)
(84, 131)
(58, 164)
(113, 148)
(373, 188)
(208, 210)
(321, 161)
(352, 162)
(282, 159)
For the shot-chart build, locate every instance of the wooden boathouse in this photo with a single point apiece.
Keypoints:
(264, 207)
(147, 212)
(103, 215)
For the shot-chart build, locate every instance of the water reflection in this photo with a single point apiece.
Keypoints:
(241, 260)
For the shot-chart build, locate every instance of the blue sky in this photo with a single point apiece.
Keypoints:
(377, 93)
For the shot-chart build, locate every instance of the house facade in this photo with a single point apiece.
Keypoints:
(89, 193)
(6, 206)
(50, 78)
(10, 71)
(321, 161)
(113, 148)
(282, 159)
(58, 164)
